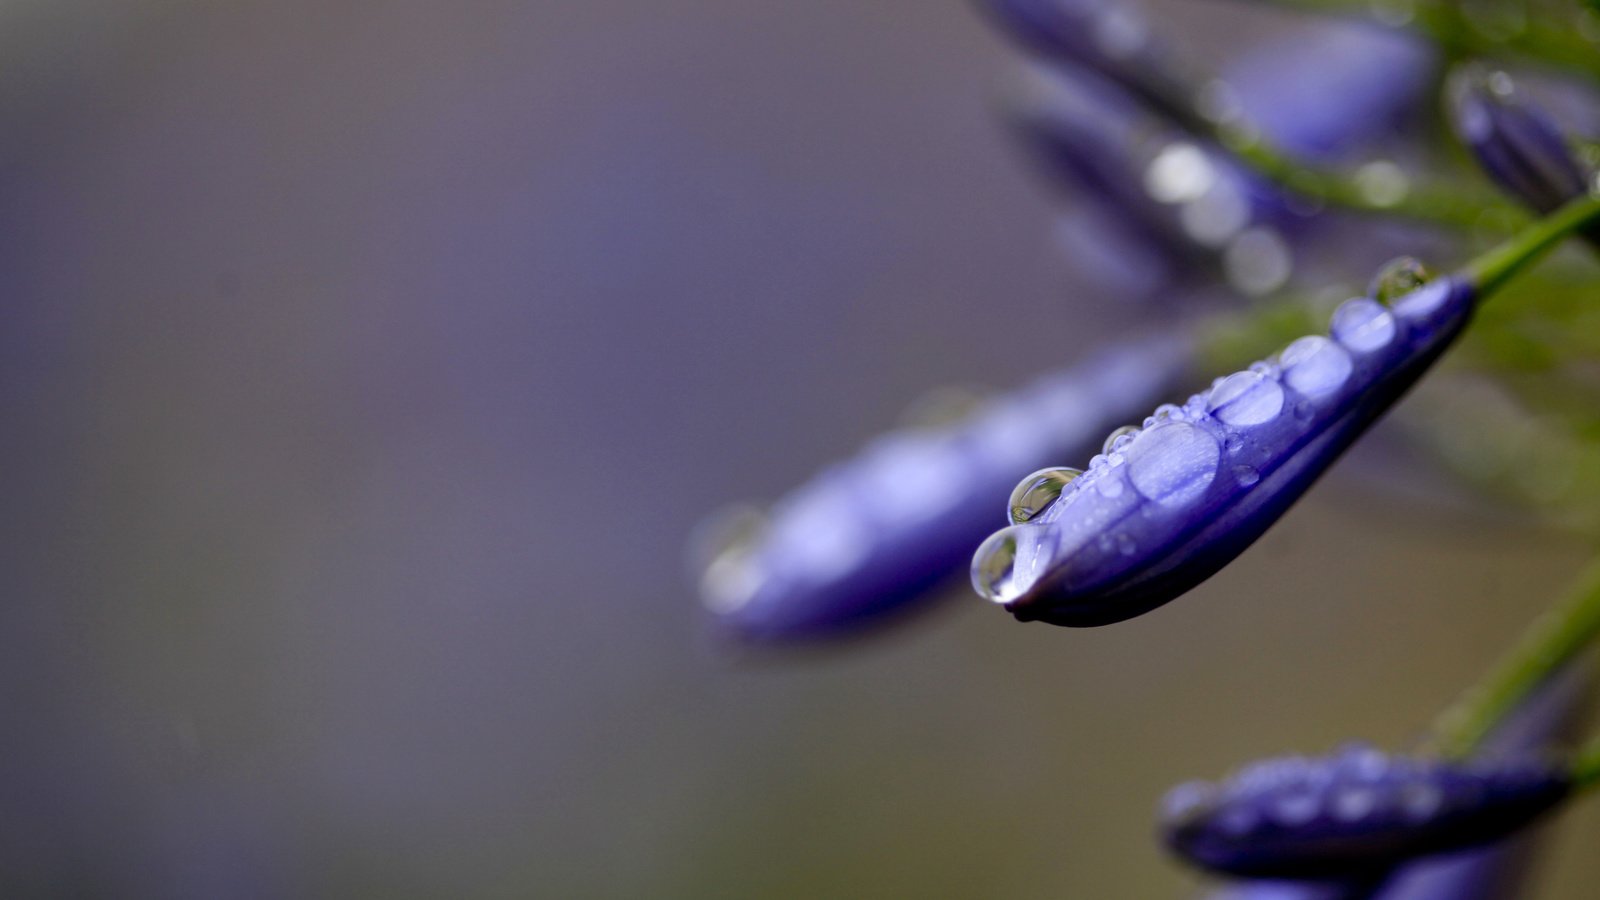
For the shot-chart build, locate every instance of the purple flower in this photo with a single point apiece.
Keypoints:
(1516, 142)
(875, 535)
(1169, 505)
(1367, 84)
(1104, 36)
(1357, 810)
(1551, 715)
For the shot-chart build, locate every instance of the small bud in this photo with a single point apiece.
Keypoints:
(1356, 811)
(1516, 142)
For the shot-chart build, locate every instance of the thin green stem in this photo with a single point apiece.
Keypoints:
(1586, 768)
(1493, 269)
(1552, 640)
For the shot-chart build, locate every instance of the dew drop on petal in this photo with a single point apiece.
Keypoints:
(1315, 366)
(1423, 301)
(1421, 801)
(1118, 439)
(1187, 798)
(1352, 803)
(1399, 277)
(1034, 494)
(1246, 475)
(1173, 463)
(1012, 560)
(1246, 398)
(1126, 545)
(1295, 807)
(1362, 324)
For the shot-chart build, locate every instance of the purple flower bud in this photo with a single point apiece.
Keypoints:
(1368, 82)
(1516, 142)
(1185, 207)
(1549, 716)
(1104, 36)
(1358, 810)
(1163, 510)
(878, 533)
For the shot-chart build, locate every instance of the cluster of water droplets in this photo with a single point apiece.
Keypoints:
(1224, 438)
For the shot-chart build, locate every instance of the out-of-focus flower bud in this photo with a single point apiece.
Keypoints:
(1516, 142)
(878, 533)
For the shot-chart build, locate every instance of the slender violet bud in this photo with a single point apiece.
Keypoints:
(1105, 36)
(1358, 810)
(1550, 716)
(1368, 82)
(1188, 207)
(1515, 141)
(1164, 509)
(878, 533)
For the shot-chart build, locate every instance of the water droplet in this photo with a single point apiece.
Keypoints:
(1314, 365)
(1398, 277)
(1126, 545)
(1216, 216)
(1362, 324)
(1246, 476)
(1246, 398)
(1119, 32)
(1119, 438)
(1234, 442)
(1295, 807)
(1110, 485)
(1238, 820)
(1098, 461)
(1187, 798)
(1180, 173)
(1423, 301)
(735, 528)
(1258, 261)
(1012, 560)
(1034, 494)
(723, 547)
(1303, 411)
(1382, 183)
(1173, 464)
(1420, 801)
(1352, 803)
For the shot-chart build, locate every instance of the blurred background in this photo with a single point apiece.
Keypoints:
(365, 365)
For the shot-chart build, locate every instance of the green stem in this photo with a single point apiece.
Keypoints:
(1493, 269)
(1551, 641)
(1586, 768)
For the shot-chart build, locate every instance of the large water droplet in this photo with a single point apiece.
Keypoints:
(1173, 463)
(1012, 560)
(1399, 277)
(1246, 476)
(1314, 365)
(1362, 324)
(1034, 494)
(1181, 172)
(1119, 439)
(1246, 398)
(1423, 301)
